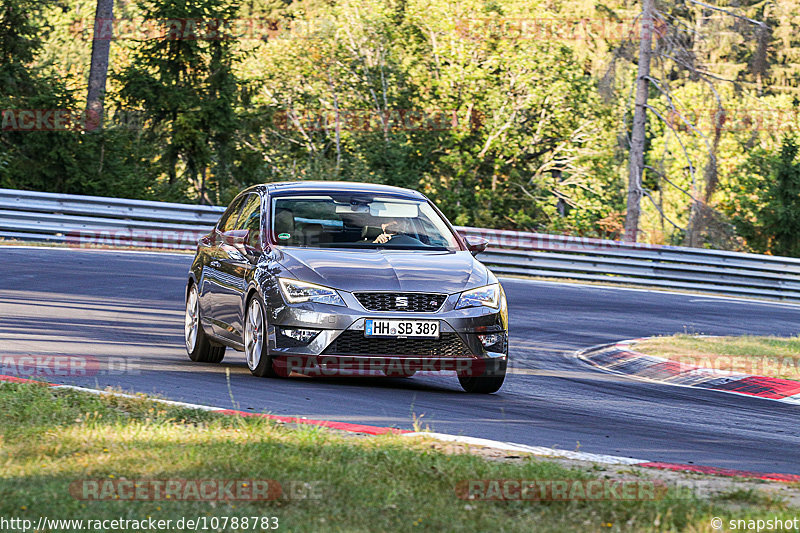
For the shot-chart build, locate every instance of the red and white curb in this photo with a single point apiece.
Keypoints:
(460, 439)
(619, 358)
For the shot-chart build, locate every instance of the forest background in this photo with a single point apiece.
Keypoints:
(507, 113)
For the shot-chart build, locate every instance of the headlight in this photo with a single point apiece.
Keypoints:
(488, 295)
(296, 292)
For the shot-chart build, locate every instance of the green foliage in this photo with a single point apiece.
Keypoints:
(186, 91)
(504, 126)
(41, 161)
(767, 213)
(500, 129)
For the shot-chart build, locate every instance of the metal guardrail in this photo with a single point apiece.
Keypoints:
(85, 221)
(89, 221)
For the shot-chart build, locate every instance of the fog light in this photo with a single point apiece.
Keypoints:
(300, 335)
(491, 339)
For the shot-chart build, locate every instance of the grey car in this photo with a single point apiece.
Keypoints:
(340, 278)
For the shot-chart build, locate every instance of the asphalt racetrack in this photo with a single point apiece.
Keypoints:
(124, 312)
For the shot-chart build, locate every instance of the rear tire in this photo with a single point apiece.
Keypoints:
(198, 346)
(491, 380)
(256, 347)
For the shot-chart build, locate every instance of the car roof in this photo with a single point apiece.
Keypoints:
(292, 187)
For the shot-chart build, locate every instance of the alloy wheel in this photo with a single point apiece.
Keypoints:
(254, 334)
(192, 322)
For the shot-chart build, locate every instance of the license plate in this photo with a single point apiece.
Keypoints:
(401, 328)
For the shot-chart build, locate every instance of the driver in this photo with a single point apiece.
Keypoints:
(391, 229)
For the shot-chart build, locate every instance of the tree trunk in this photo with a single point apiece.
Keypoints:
(203, 186)
(98, 71)
(639, 121)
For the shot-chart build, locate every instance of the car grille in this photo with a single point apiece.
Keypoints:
(388, 301)
(352, 342)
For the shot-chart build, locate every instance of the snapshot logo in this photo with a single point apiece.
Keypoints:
(197, 29)
(123, 238)
(560, 490)
(760, 524)
(49, 366)
(368, 120)
(67, 120)
(194, 490)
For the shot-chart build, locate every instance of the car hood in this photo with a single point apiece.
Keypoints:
(386, 270)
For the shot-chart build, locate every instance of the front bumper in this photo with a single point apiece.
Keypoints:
(341, 347)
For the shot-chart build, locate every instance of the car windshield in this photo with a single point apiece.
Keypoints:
(351, 221)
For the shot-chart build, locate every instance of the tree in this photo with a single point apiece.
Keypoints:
(98, 71)
(676, 55)
(639, 122)
(499, 128)
(782, 211)
(769, 216)
(183, 83)
(33, 160)
(20, 42)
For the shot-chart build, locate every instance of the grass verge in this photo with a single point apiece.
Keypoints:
(777, 357)
(50, 439)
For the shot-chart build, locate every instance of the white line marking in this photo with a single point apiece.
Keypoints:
(535, 450)
(133, 396)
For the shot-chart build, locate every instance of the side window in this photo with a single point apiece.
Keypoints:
(250, 219)
(251, 213)
(228, 220)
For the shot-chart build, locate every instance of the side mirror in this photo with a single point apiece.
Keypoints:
(476, 245)
(246, 242)
(235, 237)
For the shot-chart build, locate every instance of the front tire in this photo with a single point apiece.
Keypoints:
(488, 382)
(198, 346)
(255, 340)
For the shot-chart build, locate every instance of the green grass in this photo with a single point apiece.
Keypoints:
(763, 356)
(51, 438)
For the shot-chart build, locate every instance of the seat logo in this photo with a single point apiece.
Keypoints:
(401, 301)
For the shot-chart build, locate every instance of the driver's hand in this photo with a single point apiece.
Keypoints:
(382, 238)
